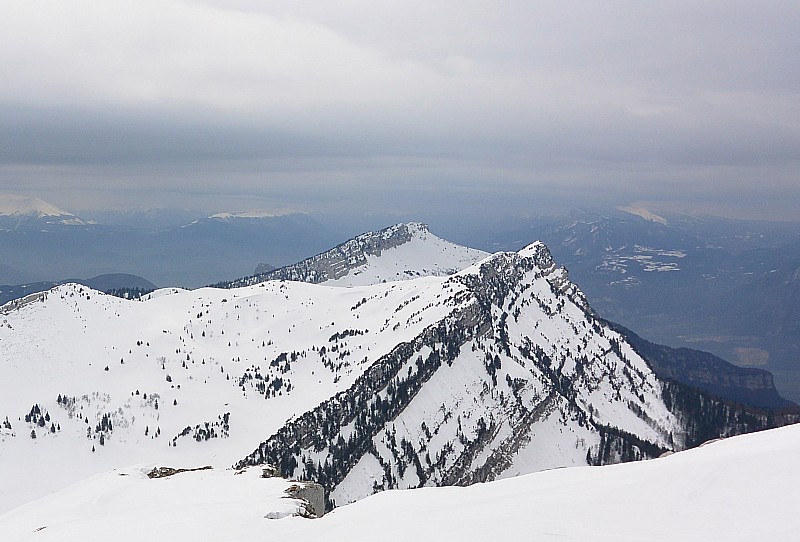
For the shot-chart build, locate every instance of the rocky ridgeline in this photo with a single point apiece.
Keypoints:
(338, 261)
(17, 304)
(744, 385)
(513, 384)
(387, 431)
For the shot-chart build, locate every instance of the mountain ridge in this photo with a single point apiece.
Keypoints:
(355, 262)
(356, 433)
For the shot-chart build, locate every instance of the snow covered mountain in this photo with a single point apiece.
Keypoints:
(742, 488)
(498, 370)
(16, 209)
(400, 252)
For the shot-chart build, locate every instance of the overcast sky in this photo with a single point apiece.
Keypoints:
(402, 106)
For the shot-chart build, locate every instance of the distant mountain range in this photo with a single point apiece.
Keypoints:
(42, 246)
(729, 287)
(18, 210)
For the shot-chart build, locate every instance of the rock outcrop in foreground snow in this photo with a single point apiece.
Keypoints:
(742, 488)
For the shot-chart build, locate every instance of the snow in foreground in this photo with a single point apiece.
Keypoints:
(743, 488)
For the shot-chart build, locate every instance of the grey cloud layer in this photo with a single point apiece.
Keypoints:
(630, 100)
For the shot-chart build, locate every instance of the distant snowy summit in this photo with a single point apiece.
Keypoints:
(19, 205)
(399, 252)
(251, 214)
(17, 208)
(644, 213)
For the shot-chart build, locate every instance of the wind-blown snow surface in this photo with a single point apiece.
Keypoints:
(743, 488)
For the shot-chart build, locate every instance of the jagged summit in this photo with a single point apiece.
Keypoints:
(399, 252)
(516, 377)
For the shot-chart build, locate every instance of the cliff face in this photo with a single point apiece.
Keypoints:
(342, 259)
(745, 385)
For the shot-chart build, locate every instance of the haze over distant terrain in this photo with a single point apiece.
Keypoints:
(726, 286)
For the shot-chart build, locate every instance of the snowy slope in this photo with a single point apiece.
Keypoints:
(400, 252)
(423, 255)
(198, 505)
(202, 377)
(743, 488)
(178, 360)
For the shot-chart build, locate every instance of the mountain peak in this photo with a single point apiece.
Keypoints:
(20, 209)
(498, 370)
(399, 252)
(644, 213)
(21, 205)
